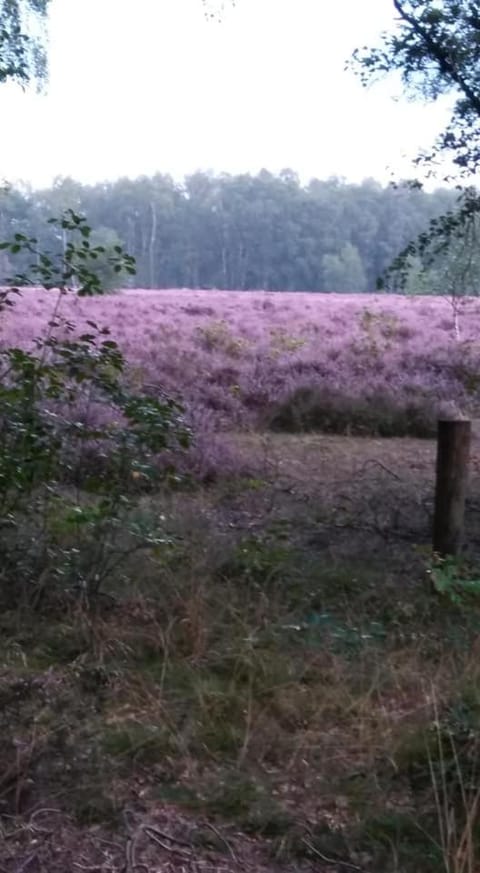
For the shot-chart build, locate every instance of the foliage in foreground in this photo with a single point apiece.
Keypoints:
(436, 49)
(77, 443)
(22, 41)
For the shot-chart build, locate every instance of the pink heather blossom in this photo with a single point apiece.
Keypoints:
(231, 357)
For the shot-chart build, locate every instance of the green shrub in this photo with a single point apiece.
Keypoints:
(63, 401)
(311, 409)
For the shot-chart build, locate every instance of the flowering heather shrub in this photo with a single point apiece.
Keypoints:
(238, 360)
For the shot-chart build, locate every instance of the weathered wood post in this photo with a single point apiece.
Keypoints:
(453, 453)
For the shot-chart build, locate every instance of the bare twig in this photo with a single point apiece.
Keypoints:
(44, 810)
(89, 868)
(165, 836)
(109, 843)
(153, 834)
(130, 860)
(375, 463)
(131, 865)
(26, 864)
(224, 841)
(335, 862)
(47, 832)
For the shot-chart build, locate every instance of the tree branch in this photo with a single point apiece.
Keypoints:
(439, 55)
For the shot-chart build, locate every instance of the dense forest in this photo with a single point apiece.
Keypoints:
(234, 232)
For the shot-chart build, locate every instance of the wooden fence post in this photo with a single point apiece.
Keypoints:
(453, 453)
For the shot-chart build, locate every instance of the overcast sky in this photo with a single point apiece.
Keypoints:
(144, 86)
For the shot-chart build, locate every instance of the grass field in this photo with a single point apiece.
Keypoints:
(279, 687)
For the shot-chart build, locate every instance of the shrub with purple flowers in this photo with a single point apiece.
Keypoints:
(377, 363)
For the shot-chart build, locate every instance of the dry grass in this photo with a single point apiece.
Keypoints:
(281, 675)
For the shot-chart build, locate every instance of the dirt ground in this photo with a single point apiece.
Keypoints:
(351, 493)
(162, 841)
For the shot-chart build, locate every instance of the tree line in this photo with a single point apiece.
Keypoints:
(240, 232)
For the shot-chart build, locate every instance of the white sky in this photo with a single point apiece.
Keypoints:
(144, 86)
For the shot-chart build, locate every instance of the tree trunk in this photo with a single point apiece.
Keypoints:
(151, 252)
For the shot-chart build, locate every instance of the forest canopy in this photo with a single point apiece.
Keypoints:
(237, 232)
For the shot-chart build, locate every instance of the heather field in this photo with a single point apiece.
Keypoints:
(348, 364)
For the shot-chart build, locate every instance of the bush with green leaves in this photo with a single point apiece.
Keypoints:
(78, 445)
